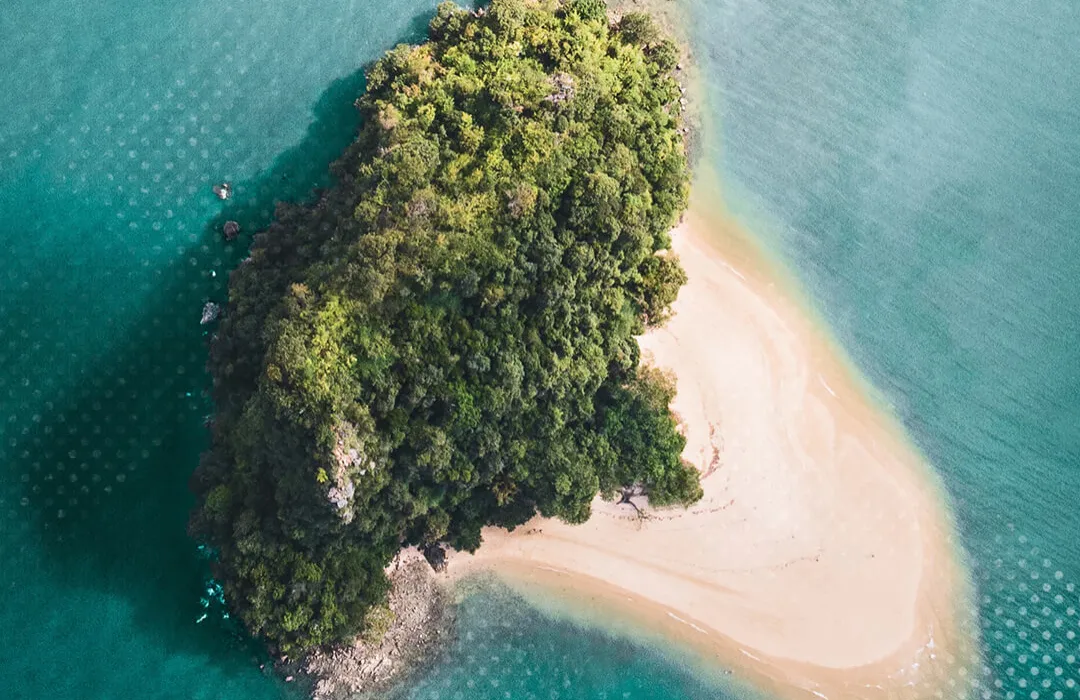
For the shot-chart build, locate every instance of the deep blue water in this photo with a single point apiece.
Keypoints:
(917, 164)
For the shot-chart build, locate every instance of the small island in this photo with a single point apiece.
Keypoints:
(446, 339)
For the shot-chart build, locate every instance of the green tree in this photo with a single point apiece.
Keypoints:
(588, 10)
(446, 339)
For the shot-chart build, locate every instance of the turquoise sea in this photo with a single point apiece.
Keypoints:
(916, 164)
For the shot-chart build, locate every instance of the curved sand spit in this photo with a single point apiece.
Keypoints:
(820, 562)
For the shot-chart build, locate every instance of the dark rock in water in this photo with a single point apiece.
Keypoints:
(563, 88)
(231, 230)
(436, 556)
(223, 190)
(210, 312)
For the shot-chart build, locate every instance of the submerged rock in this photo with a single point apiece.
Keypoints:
(231, 230)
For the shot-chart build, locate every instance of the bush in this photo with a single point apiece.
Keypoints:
(639, 28)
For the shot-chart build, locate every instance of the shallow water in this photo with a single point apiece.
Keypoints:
(918, 166)
(506, 649)
(916, 163)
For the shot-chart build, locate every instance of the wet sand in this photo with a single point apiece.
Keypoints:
(821, 561)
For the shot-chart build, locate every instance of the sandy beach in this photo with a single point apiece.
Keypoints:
(820, 562)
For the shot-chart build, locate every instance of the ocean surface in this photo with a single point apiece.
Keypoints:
(916, 164)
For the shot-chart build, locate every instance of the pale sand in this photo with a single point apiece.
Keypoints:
(821, 560)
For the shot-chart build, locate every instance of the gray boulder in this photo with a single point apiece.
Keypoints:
(210, 312)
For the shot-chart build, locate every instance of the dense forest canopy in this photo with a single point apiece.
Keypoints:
(446, 339)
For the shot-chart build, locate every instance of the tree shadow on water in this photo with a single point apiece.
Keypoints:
(104, 467)
(297, 174)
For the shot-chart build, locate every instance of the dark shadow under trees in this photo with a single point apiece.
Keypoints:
(106, 463)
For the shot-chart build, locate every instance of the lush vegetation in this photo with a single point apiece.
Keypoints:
(446, 339)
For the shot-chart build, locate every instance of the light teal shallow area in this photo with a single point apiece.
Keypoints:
(505, 649)
(917, 164)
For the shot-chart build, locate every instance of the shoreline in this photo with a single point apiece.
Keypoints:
(821, 560)
(420, 625)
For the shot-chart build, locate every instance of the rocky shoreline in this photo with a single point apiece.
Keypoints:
(422, 623)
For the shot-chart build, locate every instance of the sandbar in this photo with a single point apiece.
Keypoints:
(822, 560)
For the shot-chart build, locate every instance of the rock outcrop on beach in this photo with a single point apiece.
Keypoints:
(436, 556)
(420, 623)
